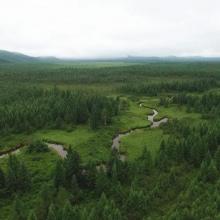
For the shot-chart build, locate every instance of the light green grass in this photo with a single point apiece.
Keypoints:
(133, 144)
(91, 145)
(172, 111)
(178, 112)
(135, 116)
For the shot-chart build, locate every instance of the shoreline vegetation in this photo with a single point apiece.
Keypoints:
(118, 160)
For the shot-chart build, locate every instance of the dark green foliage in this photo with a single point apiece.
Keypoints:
(209, 172)
(44, 201)
(217, 159)
(69, 212)
(37, 146)
(102, 182)
(18, 177)
(37, 108)
(94, 117)
(59, 174)
(32, 216)
(179, 182)
(105, 209)
(145, 162)
(52, 213)
(72, 165)
(136, 203)
(75, 190)
(17, 210)
(207, 104)
(2, 179)
(153, 89)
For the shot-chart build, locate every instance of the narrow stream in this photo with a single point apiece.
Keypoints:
(60, 150)
(154, 124)
(13, 152)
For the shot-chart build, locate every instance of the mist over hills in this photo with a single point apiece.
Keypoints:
(16, 57)
(7, 57)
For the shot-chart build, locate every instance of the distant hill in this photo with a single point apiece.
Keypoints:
(14, 57)
(174, 59)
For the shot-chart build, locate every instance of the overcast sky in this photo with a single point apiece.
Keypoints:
(110, 28)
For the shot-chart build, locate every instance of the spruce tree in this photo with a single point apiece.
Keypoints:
(32, 216)
(208, 171)
(69, 212)
(94, 117)
(18, 177)
(44, 201)
(51, 213)
(102, 182)
(75, 190)
(17, 210)
(2, 179)
(59, 174)
(72, 165)
(145, 161)
(217, 159)
(212, 173)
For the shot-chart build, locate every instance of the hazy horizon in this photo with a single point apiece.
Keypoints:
(109, 29)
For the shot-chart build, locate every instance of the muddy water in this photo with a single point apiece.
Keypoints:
(56, 147)
(7, 154)
(158, 123)
(155, 124)
(59, 149)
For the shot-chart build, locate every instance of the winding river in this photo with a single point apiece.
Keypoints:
(154, 124)
(60, 150)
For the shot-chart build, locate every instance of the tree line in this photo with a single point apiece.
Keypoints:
(207, 104)
(153, 89)
(34, 108)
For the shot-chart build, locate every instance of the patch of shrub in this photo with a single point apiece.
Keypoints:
(37, 147)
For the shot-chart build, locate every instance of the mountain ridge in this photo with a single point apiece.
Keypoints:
(16, 57)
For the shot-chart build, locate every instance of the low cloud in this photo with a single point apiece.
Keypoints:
(108, 28)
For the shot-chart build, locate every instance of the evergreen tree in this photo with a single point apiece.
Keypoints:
(70, 213)
(24, 178)
(18, 177)
(94, 117)
(114, 173)
(72, 165)
(44, 201)
(162, 160)
(104, 116)
(37, 146)
(105, 209)
(102, 183)
(208, 171)
(136, 203)
(145, 161)
(75, 190)
(59, 174)
(32, 216)
(52, 213)
(62, 195)
(217, 159)
(212, 173)
(17, 210)
(2, 179)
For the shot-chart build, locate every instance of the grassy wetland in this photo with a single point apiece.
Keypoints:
(171, 171)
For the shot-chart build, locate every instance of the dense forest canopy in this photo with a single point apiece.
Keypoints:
(34, 108)
(170, 172)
